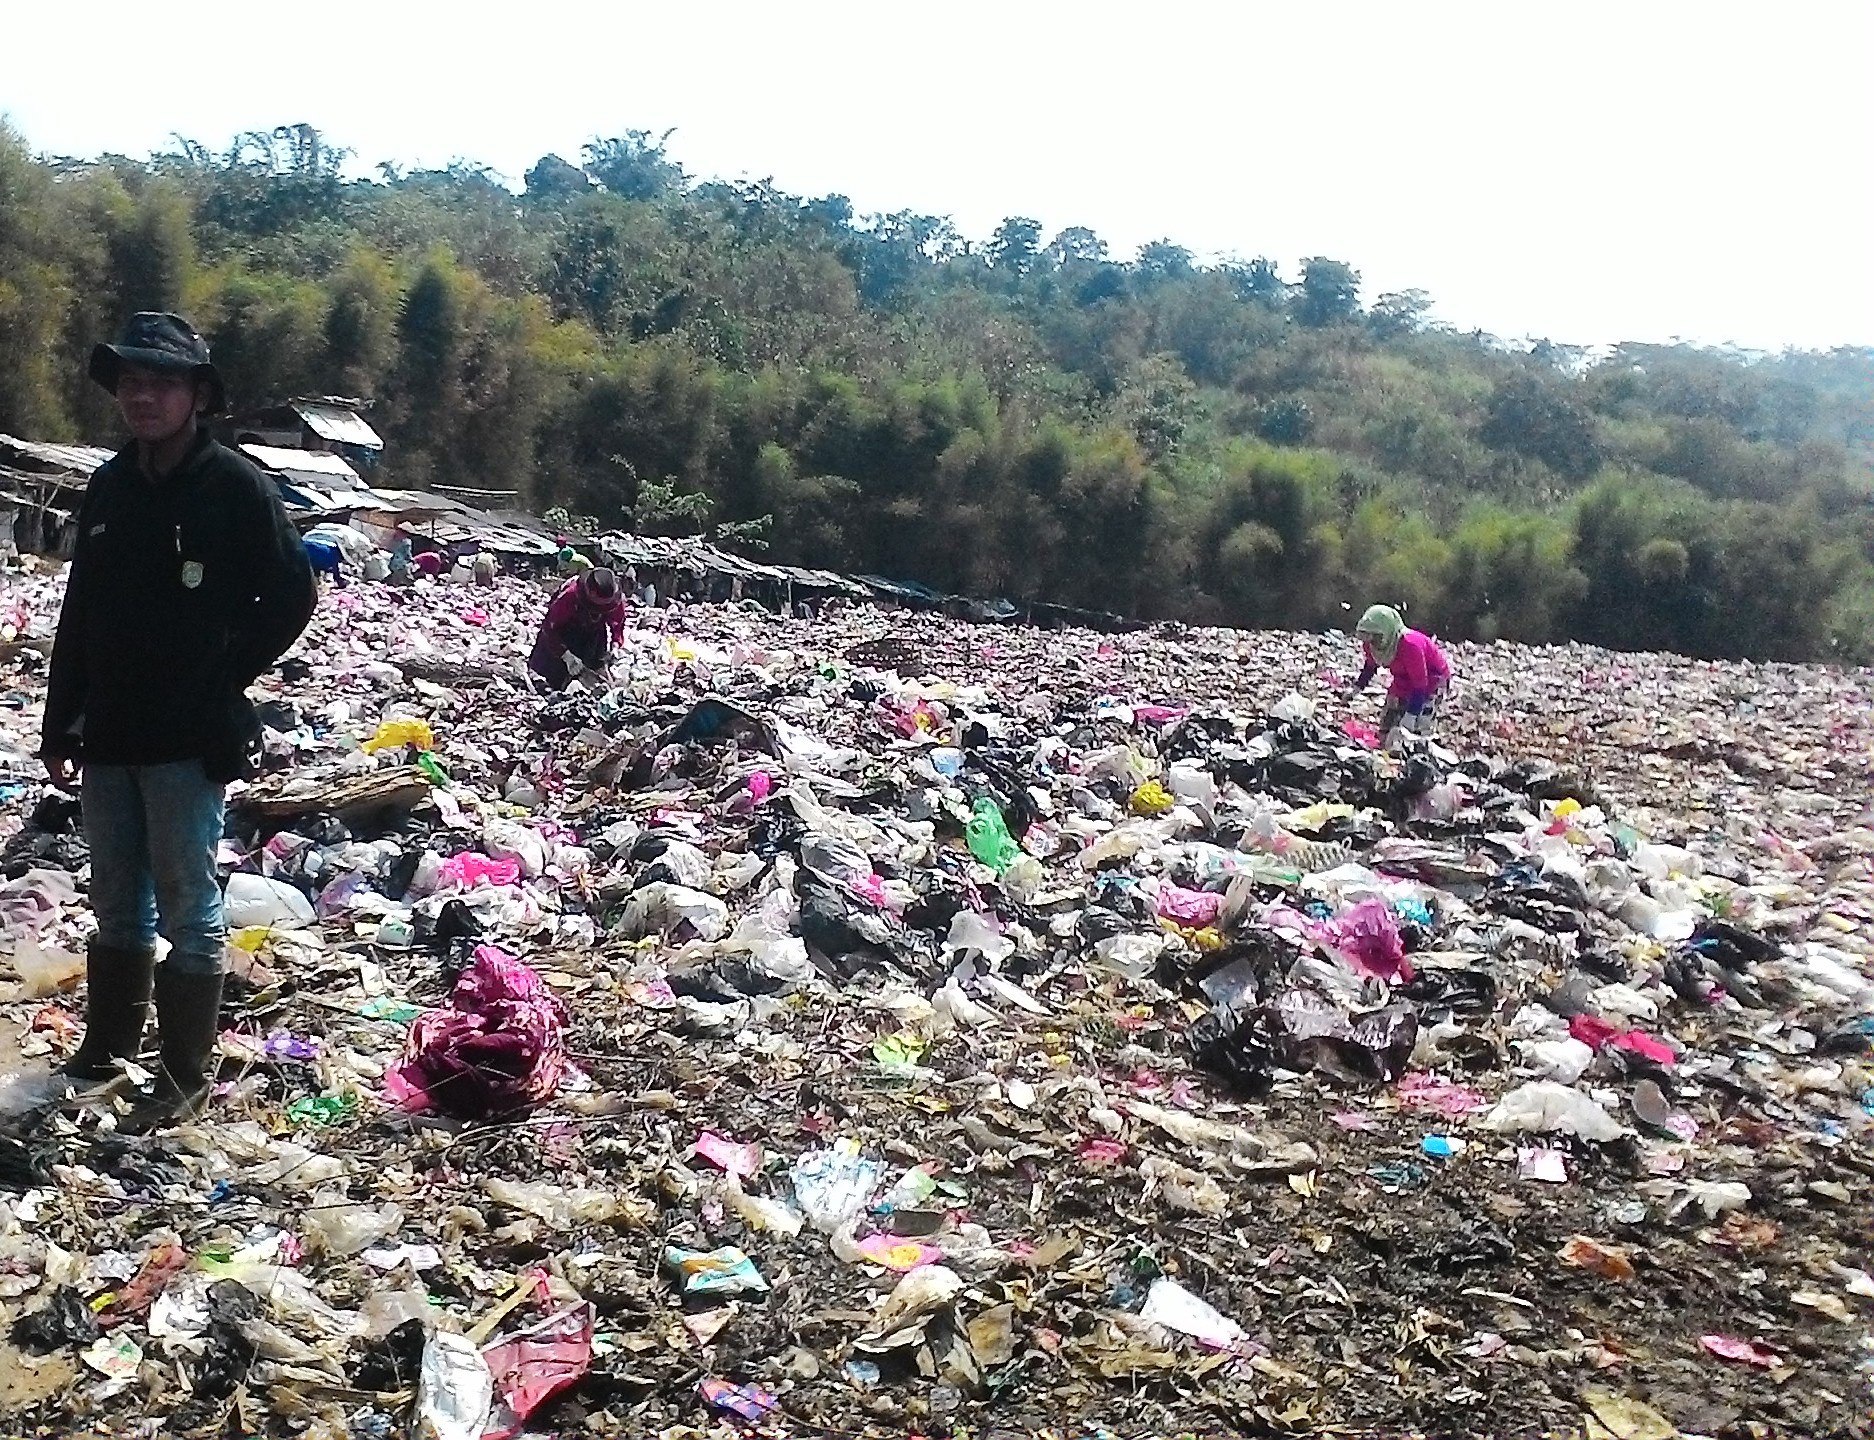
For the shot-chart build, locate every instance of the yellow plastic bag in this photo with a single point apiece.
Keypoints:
(1152, 798)
(393, 733)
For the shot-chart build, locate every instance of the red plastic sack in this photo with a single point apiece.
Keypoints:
(496, 1051)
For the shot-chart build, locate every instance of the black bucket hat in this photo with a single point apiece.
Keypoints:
(159, 342)
(602, 585)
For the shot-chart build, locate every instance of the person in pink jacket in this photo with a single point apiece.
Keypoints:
(1420, 672)
(583, 623)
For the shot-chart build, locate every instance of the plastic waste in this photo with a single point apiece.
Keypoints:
(1544, 1105)
(724, 1271)
(46, 971)
(833, 1185)
(1293, 709)
(989, 838)
(257, 900)
(467, 870)
(761, 1213)
(750, 1402)
(511, 840)
(392, 734)
(62, 1321)
(970, 931)
(661, 908)
(495, 1051)
(923, 1291)
(562, 1208)
(546, 1359)
(1151, 799)
(455, 1390)
(1192, 784)
(339, 1228)
(1169, 1304)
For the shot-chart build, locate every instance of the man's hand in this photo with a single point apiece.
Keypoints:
(63, 769)
(575, 667)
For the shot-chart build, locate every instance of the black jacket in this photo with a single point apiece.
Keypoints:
(181, 592)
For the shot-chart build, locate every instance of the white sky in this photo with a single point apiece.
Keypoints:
(1589, 171)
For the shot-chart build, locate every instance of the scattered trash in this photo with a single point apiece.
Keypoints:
(455, 1390)
(543, 1360)
(953, 1006)
(1610, 1262)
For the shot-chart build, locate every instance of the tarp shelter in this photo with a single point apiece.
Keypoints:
(904, 592)
(317, 482)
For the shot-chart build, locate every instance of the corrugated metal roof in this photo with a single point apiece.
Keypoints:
(399, 502)
(338, 424)
(70, 459)
(309, 464)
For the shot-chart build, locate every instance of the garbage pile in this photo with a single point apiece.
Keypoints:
(888, 1026)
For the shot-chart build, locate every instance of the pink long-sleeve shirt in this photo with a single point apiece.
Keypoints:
(1419, 669)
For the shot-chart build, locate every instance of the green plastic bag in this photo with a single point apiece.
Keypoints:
(989, 838)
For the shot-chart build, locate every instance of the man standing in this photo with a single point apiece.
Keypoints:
(187, 582)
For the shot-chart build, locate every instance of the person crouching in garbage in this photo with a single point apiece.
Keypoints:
(583, 623)
(187, 583)
(1420, 672)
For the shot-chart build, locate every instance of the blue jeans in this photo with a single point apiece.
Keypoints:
(153, 831)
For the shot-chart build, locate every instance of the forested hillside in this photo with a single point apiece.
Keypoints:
(1030, 417)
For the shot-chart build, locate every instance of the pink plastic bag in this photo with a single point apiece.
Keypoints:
(1362, 733)
(1422, 1091)
(1367, 936)
(1593, 1031)
(1653, 1048)
(1195, 908)
(741, 1161)
(497, 1050)
(469, 869)
(1744, 1352)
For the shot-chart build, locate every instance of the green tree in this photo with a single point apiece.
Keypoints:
(1016, 245)
(1531, 416)
(553, 181)
(1329, 293)
(635, 165)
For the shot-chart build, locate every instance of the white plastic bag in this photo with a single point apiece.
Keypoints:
(660, 907)
(511, 840)
(256, 900)
(1169, 1304)
(1547, 1106)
